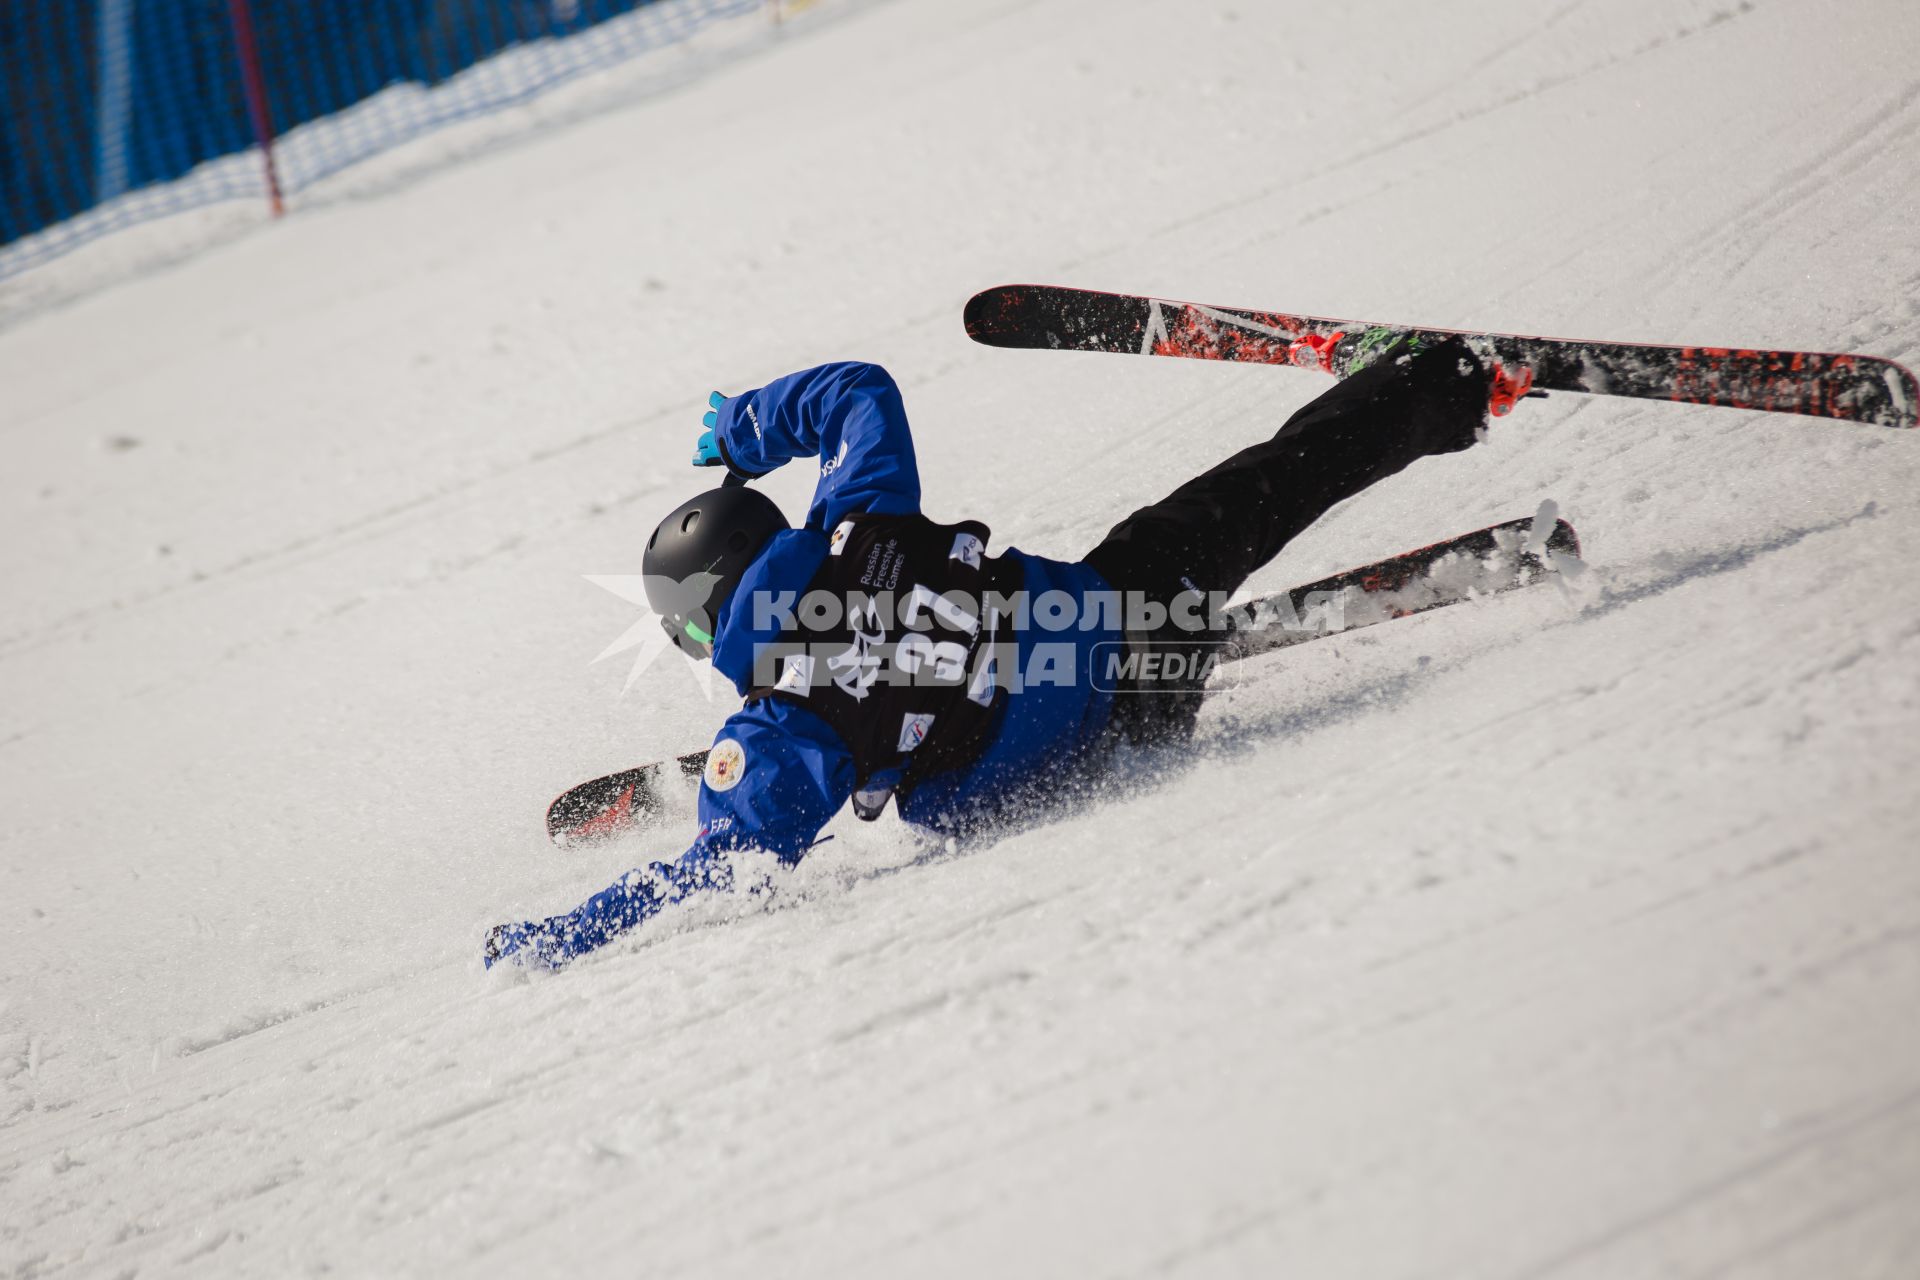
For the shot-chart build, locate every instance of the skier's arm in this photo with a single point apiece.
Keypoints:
(850, 416)
(775, 775)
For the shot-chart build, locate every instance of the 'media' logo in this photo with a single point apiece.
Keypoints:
(1123, 668)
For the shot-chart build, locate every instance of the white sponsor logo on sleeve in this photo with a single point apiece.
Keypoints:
(797, 676)
(914, 729)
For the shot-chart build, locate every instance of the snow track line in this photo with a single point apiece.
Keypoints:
(1717, 1188)
(374, 525)
(1360, 155)
(1758, 220)
(1711, 564)
(1295, 721)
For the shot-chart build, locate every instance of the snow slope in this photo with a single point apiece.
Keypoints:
(1568, 934)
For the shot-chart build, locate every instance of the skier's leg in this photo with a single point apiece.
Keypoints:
(1212, 532)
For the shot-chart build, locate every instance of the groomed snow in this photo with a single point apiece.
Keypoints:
(1566, 934)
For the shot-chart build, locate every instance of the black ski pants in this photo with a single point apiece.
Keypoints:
(1211, 533)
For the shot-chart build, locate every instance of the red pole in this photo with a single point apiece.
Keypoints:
(256, 82)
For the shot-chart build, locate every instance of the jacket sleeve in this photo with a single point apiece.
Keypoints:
(848, 415)
(775, 775)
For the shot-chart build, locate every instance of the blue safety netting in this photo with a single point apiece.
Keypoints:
(116, 111)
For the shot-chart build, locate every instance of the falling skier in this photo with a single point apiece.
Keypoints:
(884, 656)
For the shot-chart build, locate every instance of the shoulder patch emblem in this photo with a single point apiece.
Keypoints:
(838, 542)
(725, 763)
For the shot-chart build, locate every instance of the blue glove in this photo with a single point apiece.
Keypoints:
(706, 453)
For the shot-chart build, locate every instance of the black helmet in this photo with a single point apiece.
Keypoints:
(698, 555)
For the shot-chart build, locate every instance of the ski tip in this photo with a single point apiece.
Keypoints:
(604, 808)
(987, 313)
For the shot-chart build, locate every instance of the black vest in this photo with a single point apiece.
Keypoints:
(898, 645)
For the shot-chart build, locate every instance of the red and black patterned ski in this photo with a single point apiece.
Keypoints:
(1851, 388)
(1488, 561)
(1502, 557)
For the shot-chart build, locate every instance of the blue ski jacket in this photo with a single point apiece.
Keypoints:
(781, 771)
